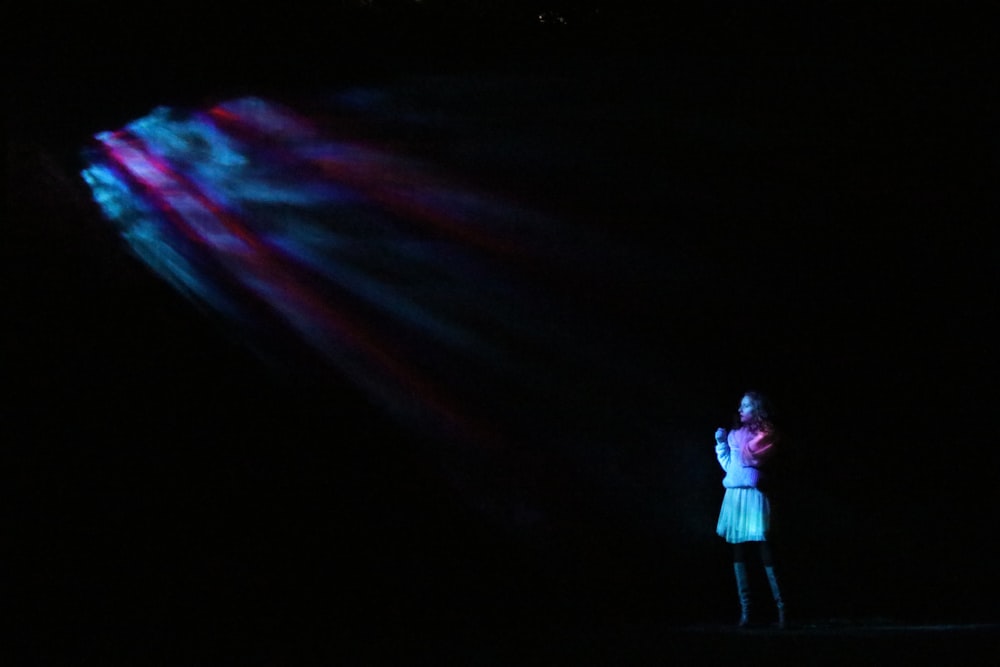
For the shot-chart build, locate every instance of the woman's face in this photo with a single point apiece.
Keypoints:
(746, 410)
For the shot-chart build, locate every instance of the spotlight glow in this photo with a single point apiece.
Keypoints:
(402, 280)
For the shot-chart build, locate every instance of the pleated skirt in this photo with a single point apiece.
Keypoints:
(745, 515)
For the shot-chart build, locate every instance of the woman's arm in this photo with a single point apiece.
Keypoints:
(722, 448)
(761, 446)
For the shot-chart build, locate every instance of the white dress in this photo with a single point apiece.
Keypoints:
(746, 513)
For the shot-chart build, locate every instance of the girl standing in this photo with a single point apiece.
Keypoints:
(745, 518)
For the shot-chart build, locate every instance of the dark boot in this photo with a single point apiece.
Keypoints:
(743, 588)
(776, 592)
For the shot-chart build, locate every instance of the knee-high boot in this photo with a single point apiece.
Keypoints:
(776, 592)
(743, 588)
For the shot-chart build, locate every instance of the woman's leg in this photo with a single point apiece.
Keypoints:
(767, 557)
(742, 582)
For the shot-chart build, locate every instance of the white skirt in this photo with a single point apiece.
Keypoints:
(745, 515)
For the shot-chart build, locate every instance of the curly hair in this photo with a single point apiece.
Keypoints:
(761, 420)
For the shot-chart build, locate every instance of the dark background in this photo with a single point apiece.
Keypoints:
(811, 191)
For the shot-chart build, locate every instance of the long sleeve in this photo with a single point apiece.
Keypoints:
(760, 447)
(740, 460)
(723, 454)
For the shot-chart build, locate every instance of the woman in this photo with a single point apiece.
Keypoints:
(745, 517)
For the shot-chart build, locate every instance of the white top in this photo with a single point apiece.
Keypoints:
(741, 456)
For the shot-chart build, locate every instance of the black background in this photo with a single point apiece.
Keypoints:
(825, 179)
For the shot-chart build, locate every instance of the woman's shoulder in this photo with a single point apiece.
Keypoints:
(741, 435)
(768, 430)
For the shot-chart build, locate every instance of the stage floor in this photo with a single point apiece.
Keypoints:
(332, 640)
